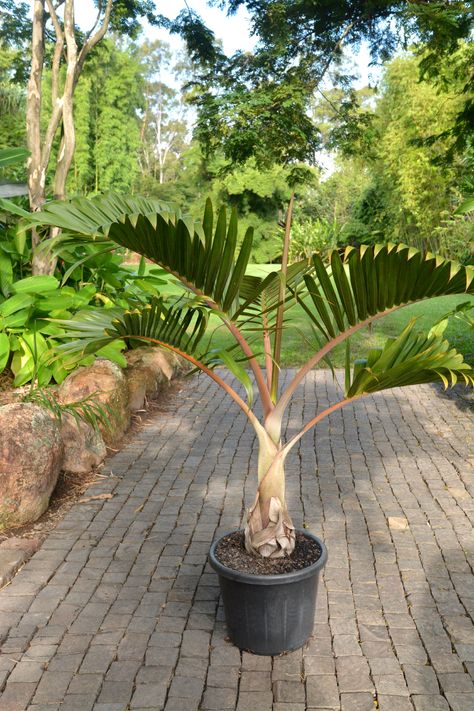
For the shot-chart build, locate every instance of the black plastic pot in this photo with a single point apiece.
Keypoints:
(269, 614)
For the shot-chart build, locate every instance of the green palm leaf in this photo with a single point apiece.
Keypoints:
(369, 282)
(87, 331)
(11, 156)
(179, 328)
(410, 359)
(93, 216)
(205, 259)
(261, 296)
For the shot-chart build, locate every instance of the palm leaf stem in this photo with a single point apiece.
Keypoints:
(267, 347)
(287, 394)
(256, 369)
(282, 452)
(281, 299)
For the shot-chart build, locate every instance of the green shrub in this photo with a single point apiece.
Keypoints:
(314, 236)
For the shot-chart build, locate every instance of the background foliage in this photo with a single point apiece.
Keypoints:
(185, 126)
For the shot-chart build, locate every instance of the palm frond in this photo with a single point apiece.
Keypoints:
(205, 259)
(88, 409)
(87, 331)
(371, 281)
(180, 329)
(93, 216)
(410, 359)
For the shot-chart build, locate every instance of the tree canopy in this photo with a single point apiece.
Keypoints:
(255, 104)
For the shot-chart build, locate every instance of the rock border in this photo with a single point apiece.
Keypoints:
(120, 392)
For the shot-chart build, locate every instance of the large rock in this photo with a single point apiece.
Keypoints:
(31, 453)
(84, 447)
(137, 389)
(104, 383)
(148, 369)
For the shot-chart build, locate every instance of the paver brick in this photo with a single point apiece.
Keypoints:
(222, 677)
(176, 704)
(353, 675)
(52, 687)
(357, 702)
(117, 692)
(152, 675)
(186, 687)
(17, 695)
(430, 703)
(78, 702)
(255, 681)
(218, 699)
(251, 700)
(394, 703)
(318, 665)
(227, 656)
(85, 684)
(457, 682)
(27, 671)
(421, 679)
(159, 656)
(150, 696)
(288, 691)
(250, 662)
(195, 643)
(460, 702)
(391, 684)
(322, 692)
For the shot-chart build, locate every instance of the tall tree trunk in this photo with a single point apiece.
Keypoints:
(68, 141)
(61, 109)
(36, 173)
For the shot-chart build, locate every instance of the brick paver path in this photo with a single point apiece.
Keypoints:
(118, 609)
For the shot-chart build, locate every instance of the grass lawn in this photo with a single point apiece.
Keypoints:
(298, 339)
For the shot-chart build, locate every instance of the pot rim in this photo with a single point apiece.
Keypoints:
(278, 579)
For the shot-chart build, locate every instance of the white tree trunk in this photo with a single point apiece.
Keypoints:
(61, 109)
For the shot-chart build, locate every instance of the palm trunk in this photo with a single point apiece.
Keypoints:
(269, 531)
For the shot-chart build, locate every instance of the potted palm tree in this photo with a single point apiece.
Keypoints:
(269, 571)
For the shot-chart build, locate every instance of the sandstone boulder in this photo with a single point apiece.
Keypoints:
(154, 364)
(84, 447)
(137, 381)
(148, 369)
(31, 453)
(104, 383)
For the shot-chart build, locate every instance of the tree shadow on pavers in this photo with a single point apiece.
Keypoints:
(461, 395)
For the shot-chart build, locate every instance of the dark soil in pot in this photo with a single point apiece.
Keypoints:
(271, 612)
(231, 552)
